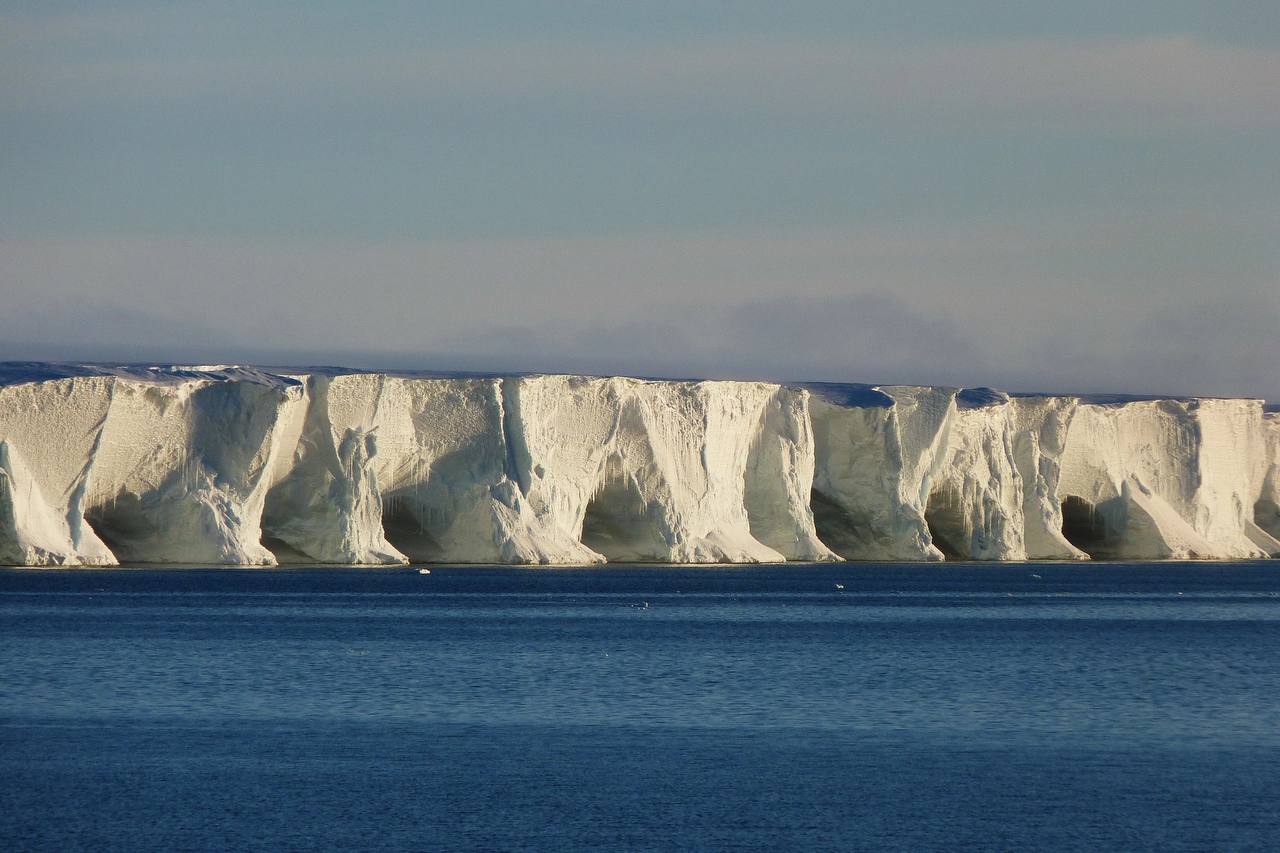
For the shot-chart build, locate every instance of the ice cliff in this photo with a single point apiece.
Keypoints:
(234, 465)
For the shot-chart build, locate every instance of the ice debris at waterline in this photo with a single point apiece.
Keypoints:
(240, 466)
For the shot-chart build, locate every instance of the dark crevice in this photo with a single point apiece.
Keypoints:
(618, 525)
(838, 529)
(285, 553)
(123, 525)
(1086, 528)
(947, 525)
(405, 530)
(1266, 514)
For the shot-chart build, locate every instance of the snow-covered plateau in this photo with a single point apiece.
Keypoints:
(241, 466)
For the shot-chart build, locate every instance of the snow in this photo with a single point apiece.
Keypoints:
(231, 464)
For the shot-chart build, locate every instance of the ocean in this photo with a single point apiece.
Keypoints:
(797, 707)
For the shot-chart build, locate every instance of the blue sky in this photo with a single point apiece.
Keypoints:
(1077, 196)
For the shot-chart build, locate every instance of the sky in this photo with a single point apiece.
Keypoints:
(1041, 197)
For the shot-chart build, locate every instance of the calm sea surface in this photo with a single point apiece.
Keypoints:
(626, 708)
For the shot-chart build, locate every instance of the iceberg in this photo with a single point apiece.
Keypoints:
(235, 465)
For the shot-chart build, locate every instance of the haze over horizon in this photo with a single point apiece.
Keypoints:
(974, 193)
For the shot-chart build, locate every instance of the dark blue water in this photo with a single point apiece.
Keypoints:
(921, 707)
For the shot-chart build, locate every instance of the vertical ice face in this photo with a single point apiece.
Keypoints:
(1039, 435)
(975, 505)
(1161, 478)
(779, 479)
(1265, 531)
(450, 482)
(920, 473)
(49, 433)
(181, 468)
(544, 470)
(669, 471)
(877, 453)
(1231, 441)
(158, 465)
(237, 466)
(325, 505)
(393, 468)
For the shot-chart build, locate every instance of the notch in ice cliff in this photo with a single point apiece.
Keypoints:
(239, 465)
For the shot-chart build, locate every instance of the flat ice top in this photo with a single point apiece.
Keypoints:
(852, 395)
(979, 398)
(21, 372)
(856, 395)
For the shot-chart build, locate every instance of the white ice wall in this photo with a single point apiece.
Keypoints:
(238, 466)
(877, 453)
(1040, 426)
(324, 504)
(669, 471)
(510, 470)
(1266, 507)
(180, 469)
(1170, 479)
(779, 479)
(162, 466)
(49, 432)
(975, 502)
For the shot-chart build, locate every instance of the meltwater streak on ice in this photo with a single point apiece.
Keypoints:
(239, 466)
(1043, 706)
